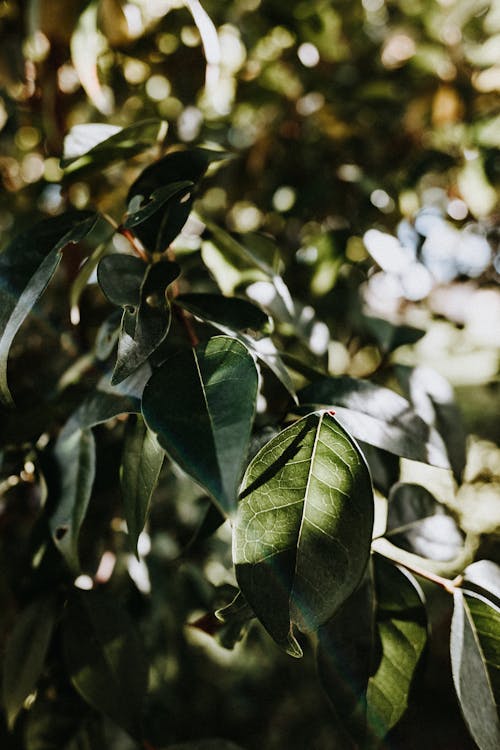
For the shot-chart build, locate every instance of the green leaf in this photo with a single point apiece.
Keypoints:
(227, 313)
(402, 629)
(214, 744)
(344, 658)
(120, 278)
(98, 407)
(26, 267)
(25, 654)
(377, 416)
(96, 145)
(418, 523)
(238, 253)
(82, 279)
(75, 458)
(87, 44)
(52, 724)
(475, 664)
(303, 528)
(157, 200)
(144, 329)
(105, 658)
(201, 406)
(141, 463)
(390, 336)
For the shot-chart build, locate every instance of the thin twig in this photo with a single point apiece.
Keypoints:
(447, 584)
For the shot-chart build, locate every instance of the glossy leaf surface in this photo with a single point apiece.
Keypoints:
(377, 416)
(75, 457)
(303, 529)
(26, 267)
(25, 654)
(105, 658)
(475, 663)
(201, 405)
(142, 460)
(231, 313)
(158, 199)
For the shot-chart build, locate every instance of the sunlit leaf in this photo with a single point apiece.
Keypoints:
(402, 629)
(26, 267)
(201, 405)
(483, 577)
(105, 657)
(87, 45)
(75, 459)
(141, 463)
(475, 663)
(377, 416)
(303, 528)
(25, 653)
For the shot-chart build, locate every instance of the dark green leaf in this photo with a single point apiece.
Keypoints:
(81, 281)
(91, 146)
(26, 267)
(25, 654)
(475, 663)
(377, 416)
(483, 577)
(235, 619)
(51, 724)
(303, 529)
(201, 405)
(214, 744)
(402, 629)
(120, 278)
(418, 523)
(229, 313)
(144, 329)
(384, 466)
(141, 463)
(98, 407)
(105, 658)
(344, 658)
(75, 458)
(391, 336)
(107, 335)
(158, 199)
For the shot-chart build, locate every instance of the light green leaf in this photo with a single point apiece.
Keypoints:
(141, 464)
(201, 406)
(105, 657)
(26, 267)
(303, 528)
(475, 664)
(402, 629)
(25, 654)
(75, 457)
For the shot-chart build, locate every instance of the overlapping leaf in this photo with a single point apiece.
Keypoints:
(230, 314)
(141, 463)
(200, 404)
(378, 416)
(105, 658)
(303, 529)
(26, 267)
(475, 663)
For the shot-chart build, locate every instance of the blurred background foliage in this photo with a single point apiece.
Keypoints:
(366, 137)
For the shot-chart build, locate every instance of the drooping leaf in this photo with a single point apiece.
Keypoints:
(107, 335)
(82, 280)
(344, 657)
(26, 267)
(390, 336)
(87, 45)
(144, 328)
(266, 350)
(433, 399)
(25, 653)
(96, 145)
(141, 463)
(120, 278)
(158, 198)
(238, 252)
(402, 630)
(158, 231)
(418, 523)
(475, 663)
(98, 407)
(230, 314)
(377, 416)
(105, 658)
(483, 577)
(303, 528)
(201, 405)
(235, 618)
(75, 458)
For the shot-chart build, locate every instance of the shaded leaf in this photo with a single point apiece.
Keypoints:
(51, 724)
(418, 523)
(142, 460)
(227, 313)
(158, 198)
(145, 328)
(75, 458)
(26, 267)
(235, 619)
(120, 278)
(25, 654)
(475, 663)
(303, 528)
(384, 467)
(391, 336)
(105, 658)
(344, 657)
(107, 335)
(201, 405)
(214, 744)
(98, 407)
(377, 416)
(402, 630)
